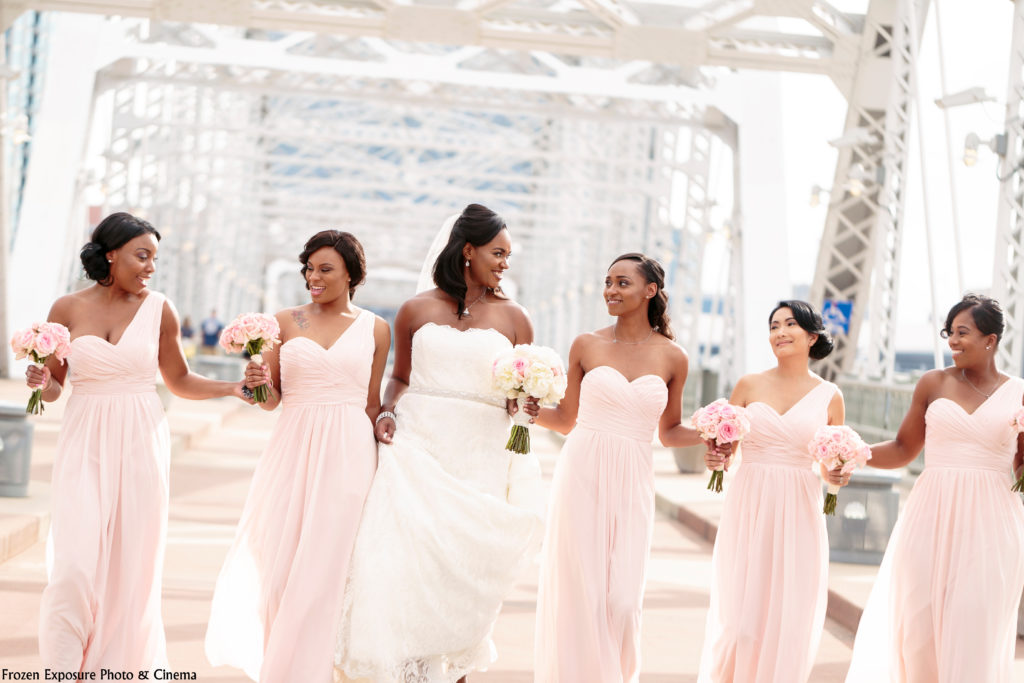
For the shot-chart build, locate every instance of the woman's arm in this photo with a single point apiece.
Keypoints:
(562, 418)
(381, 346)
(910, 438)
(384, 429)
(177, 376)
(671, 430)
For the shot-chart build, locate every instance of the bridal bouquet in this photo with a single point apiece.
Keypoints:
(721, 422)
(39, 342)
(252, 332)
(527, 371)
(1018, 423)
(838, 446)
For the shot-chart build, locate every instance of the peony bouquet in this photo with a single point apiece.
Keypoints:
(252, 332)
(838, 446)
(527, 371)
(721, 422)
(1018, 423)
(39, 342)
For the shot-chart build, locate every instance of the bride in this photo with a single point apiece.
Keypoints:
(452, 519)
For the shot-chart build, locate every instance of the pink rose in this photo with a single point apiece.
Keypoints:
(728, 431)
(46, 343)
(21, 342)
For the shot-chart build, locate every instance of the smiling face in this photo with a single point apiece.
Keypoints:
(787, 337)
(134, 263)
(488, 263)
(326, 276)
(968, 343)
(625, 288)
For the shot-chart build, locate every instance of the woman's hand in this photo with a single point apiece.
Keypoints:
(238, 392)
(717, 455)
(384, 430)
(530, 406)
(257, 375)
(36, 377)
(838, 477)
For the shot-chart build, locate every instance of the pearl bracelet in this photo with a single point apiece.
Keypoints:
(383, 414)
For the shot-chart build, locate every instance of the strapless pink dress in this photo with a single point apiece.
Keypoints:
(770, 563)
(944, 606)
(599, 534)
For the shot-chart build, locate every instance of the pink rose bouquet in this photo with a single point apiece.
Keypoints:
(838, 446)
(252, 332)
(527, 371)
(721, 422)
(1018, 423)
(39, 342)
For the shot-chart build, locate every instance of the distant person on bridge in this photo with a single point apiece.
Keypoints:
(211, 328)
(944, 606)
(625, 383)
(769, 568)
(101, 607)
(277, 604)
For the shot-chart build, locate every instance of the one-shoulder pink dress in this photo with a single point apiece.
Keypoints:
(770, 563)
(101, 607)
(278, 599)
(944, 605)
(599, 534)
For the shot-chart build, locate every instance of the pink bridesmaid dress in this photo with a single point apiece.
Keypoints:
(101, 607)
(599, 534)
(770, 562)
(278, 600)
(944, 606)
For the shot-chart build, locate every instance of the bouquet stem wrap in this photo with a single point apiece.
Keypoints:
(261, 393)
(831, 499)
(519, 438)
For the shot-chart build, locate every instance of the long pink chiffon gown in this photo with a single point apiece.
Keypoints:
(599, 534)
(944, 605)
(278, 599)
(770, 562)
(101, 607)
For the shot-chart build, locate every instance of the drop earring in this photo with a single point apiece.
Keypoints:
(467, 263)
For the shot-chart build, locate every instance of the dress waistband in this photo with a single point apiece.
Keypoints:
(459, 395)
(94, 388)
(624, 430)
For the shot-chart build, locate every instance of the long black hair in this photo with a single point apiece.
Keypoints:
(810, 320)
(347, 246)
(113, 232)
(657, 306)
(477, 225)
(986, 311)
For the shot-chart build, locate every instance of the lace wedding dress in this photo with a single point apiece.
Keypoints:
(451, 522)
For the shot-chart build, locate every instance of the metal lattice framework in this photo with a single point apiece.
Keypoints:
(860, 248)
(1009, 259)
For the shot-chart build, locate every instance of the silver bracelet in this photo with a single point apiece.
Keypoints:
(383, 414)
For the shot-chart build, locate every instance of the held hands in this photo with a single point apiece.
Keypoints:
(531, 407)
(384, 429)
(717, 455)
(256, 374)
(37, 378)
(838, 477)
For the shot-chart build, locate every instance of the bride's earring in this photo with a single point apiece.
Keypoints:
(467, 263)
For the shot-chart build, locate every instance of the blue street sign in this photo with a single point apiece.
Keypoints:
(836, 316)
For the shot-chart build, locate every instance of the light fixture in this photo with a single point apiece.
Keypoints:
(859, 176)
(969, 96)
(972, 142)
(854, 137)
(816, 192)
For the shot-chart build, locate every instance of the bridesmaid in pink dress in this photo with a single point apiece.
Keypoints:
(278, 599)
(944, 606)
(770, 562)
(625, 382)
(101, 607)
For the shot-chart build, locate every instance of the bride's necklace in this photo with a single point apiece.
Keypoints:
(465, 309)
(963, 373)
(616, 340)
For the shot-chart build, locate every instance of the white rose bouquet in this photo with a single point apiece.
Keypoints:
(527, 371)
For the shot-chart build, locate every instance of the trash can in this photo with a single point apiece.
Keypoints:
(865, 515)
(15, 450)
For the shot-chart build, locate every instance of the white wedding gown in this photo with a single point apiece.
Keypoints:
(451, 522)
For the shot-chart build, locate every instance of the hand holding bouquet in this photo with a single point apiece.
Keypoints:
(527, 371)
(252, 332)
(721, 422)
(39, 342)
(1018, 423)
(835, 447)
